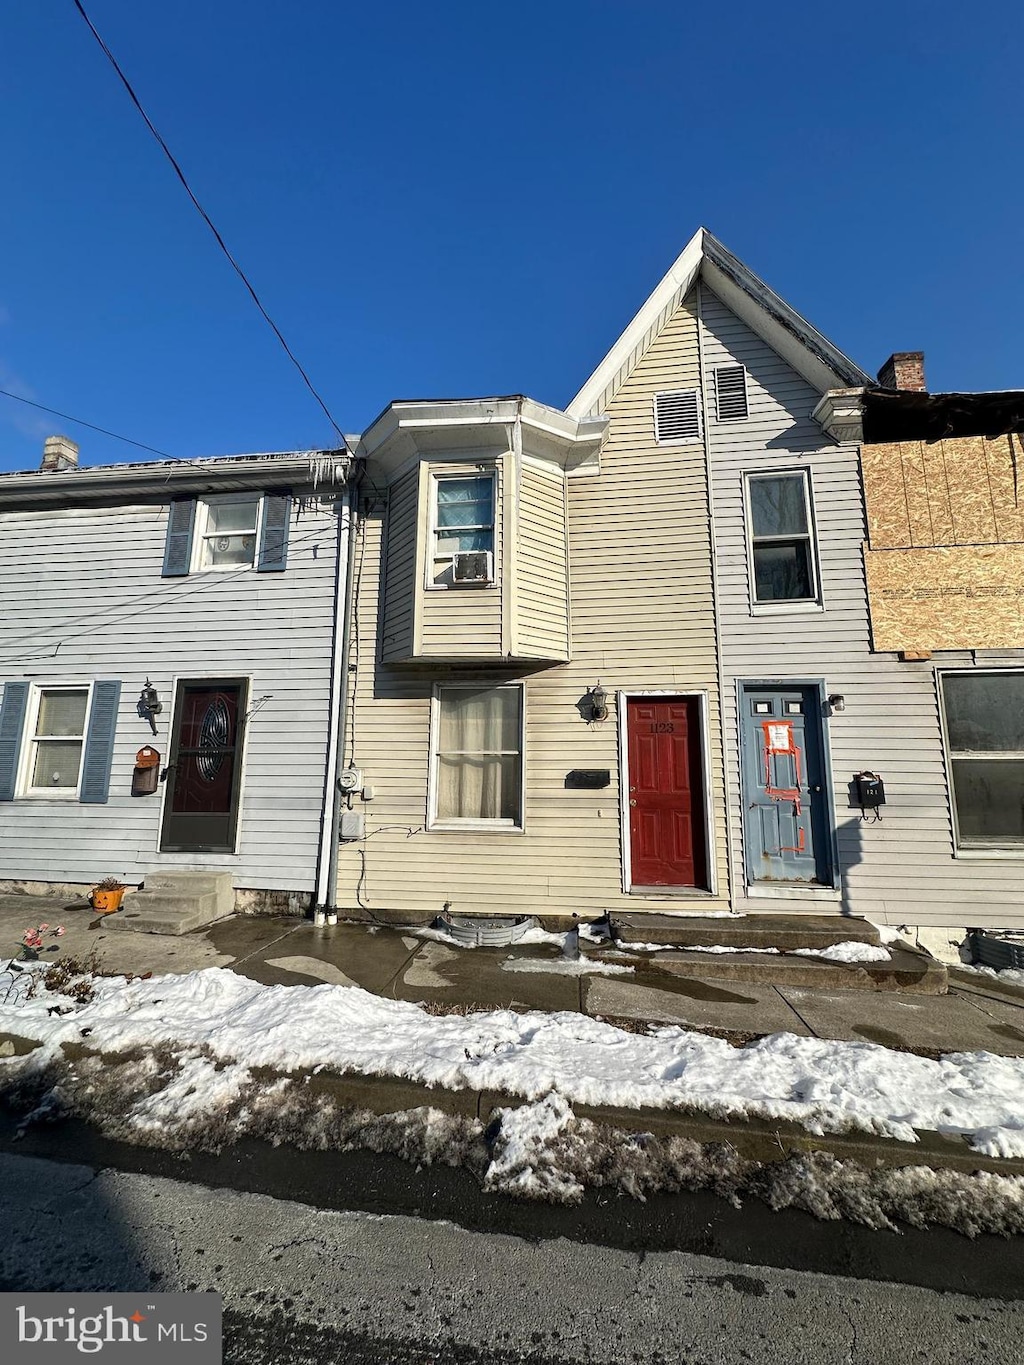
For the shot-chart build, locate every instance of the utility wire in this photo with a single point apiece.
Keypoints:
(207, 220)
(79, 422)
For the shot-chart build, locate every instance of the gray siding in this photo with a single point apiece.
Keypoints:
(83, 599)
(901, 870)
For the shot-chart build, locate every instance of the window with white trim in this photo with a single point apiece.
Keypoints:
(477, 755)
(780, 525)
(984, 716)
(56, 741)
(228, 532)
(462, 530)
(677, 416)
(730, 393)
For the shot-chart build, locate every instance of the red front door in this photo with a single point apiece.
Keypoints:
(666, 792)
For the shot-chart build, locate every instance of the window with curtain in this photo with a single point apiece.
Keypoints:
(985, 732)
(463, 520)
(781, 543)
(478, 753)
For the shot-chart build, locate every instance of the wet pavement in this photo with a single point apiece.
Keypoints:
(978, 1013)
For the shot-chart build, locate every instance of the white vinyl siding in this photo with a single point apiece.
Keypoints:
(677, 416)
(902, 869)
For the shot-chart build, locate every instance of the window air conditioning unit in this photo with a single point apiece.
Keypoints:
(473, 566)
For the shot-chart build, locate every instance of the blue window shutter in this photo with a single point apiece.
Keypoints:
(178, 548)
(12, 723)
(99, 742)
(277, 515)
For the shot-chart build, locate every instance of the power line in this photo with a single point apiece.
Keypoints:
(206, 218)
(79, 422)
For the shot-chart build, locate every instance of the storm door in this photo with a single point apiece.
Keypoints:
(204, 769)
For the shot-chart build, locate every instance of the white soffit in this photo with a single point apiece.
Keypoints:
(791, 336)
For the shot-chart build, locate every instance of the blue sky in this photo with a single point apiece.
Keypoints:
(461, 199)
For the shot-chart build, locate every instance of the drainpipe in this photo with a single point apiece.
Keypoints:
(327, 869)
(716, 607)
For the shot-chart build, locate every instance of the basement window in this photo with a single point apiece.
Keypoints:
(984, 722)
(677, 416)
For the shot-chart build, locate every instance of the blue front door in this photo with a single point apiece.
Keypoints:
(786, 824)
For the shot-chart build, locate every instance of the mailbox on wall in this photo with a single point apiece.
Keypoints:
(146, 773)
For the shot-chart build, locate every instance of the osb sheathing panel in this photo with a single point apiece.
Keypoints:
(956, 597)
(966, 491)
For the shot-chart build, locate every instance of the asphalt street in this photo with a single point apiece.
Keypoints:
(303, 1284)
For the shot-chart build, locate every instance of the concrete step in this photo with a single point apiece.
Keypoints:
(187, 883)
(907, 971)
(741, 931)
(176, 903)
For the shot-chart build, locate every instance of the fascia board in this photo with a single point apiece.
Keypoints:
(70, 488)
(644, 327)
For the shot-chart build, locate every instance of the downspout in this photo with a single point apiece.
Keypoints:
(715, 604)
(327, 871)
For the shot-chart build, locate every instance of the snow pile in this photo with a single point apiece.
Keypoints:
(852, 951)
(525, 1160)
(826, 1086)
(1006, 975)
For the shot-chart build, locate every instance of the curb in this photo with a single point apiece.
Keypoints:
(764, 1141)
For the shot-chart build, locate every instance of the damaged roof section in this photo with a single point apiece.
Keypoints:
(892, 416)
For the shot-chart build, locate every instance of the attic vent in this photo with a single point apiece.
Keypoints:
(731, 392)
(677, 416)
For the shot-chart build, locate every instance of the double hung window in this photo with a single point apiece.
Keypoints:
(463, 530)
(782, 559)
(984, 715)
(477, 754)
(57, 741)
(227, 533)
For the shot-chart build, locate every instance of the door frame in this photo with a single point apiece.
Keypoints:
(178, 684)
(780, 890)
(623, 696)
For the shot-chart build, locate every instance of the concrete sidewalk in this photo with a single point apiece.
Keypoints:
(625, 987)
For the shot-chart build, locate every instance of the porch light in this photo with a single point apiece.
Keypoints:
(598, 698)
(149, 704)
(836, 702)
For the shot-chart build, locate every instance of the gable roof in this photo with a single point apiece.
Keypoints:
(803, 346)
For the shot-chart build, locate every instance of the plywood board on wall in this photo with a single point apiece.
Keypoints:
(964, 491)
(950, 597)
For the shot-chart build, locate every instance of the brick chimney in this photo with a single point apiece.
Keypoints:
(903, 370)
(59, 452)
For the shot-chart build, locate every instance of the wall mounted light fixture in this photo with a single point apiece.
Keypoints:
(598, 699)
(149, 704)
(836, 702)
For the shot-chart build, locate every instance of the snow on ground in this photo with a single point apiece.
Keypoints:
(851, 951)
(1007, 975)
(566, 966)
(826, 1086)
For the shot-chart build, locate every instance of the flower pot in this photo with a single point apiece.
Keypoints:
(106, 902)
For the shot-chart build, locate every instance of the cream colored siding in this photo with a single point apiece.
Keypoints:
(399, 577)
(542, 601)
(464, 622)
(641, 616)
(901, 870)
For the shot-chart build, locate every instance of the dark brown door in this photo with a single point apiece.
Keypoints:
(204, 769)
(666, 792)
